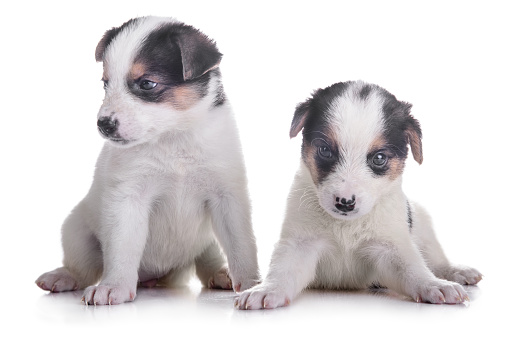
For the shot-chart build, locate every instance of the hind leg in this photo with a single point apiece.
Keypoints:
(424, 237)
(82, 256)
(211, 268)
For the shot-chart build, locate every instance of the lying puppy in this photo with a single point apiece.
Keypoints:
(169, 192)
(348, 224)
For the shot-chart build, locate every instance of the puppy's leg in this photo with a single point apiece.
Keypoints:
(400, 267)
(212, 270)
(231, 222)
(124, 231)
(424, 237)
(82, 255)
(292, 268)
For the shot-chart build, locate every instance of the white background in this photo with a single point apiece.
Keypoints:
(448, 58)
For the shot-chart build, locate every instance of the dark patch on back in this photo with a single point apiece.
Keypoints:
(410, 219)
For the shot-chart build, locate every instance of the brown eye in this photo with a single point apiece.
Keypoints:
(379, 159)
(147, 85)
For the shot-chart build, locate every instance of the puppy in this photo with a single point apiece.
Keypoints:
(348, 224)
(169, 192)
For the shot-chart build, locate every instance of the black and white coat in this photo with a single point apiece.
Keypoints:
(348, 224)
(170, 190)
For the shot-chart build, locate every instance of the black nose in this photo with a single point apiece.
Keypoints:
(345, 205)
(107, 126)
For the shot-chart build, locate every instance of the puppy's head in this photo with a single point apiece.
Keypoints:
(156, 74)
(355, 142)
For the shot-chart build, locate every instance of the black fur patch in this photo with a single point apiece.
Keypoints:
(376, 286)
(220, 97)
(366, 89)
(181, 51)
(160, 54)
(397, 121)
(163, 56)
(410, 220)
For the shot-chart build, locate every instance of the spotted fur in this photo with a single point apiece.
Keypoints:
(348, 224)
(161, 204)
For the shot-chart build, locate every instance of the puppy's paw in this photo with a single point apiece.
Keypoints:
(463, 275)
(244, 283)
(108, 295)
(220, 280)
(440, 292)
(59, 280)
(261, 297)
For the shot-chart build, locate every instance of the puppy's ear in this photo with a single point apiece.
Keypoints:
(199, 53)
(299, 118)
(108, 37)
(105, 41)
(413, 134)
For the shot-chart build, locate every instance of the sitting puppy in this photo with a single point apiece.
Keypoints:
(170, 190)
(348, 224)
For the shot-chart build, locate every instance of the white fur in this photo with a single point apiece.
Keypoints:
(355, 127)
(320, 248)
(173, 198)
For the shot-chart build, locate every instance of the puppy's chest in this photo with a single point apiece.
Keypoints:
(177, 162)
(179, 224)
(342, 264)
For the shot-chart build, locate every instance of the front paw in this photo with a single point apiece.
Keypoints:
(439, 292)
(261, 297)
(463, 275)
(108, 295)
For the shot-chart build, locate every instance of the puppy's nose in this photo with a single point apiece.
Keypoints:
(107, 126)
(345, 205)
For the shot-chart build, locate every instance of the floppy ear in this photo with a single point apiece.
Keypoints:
(414, 135)
(107, 38)
(299, 118)
(105, 41)
(199, 53)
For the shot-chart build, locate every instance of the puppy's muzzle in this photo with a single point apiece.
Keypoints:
(107, 126)
(344, 205)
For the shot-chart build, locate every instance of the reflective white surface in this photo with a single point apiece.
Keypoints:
(447, 58)
(197, 312)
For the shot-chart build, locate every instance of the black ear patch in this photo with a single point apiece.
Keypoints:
(402, 128)
(178, 53)
(108, 38)
(199, 53)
